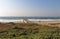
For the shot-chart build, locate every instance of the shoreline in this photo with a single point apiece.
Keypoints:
(33, 20)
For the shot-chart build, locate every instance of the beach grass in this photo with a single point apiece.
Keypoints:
(13, 30)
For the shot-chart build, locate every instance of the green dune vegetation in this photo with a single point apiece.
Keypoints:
(28, 31)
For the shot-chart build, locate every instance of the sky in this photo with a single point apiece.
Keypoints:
(30, 8)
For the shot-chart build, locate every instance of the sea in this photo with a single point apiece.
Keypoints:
(20, 19)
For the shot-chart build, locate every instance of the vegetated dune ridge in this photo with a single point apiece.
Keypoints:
(30, 30)
(7, 25)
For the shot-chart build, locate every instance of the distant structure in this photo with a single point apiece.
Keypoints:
(26, 21)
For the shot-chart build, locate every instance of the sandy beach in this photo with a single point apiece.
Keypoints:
(52, 23)
(49, 23)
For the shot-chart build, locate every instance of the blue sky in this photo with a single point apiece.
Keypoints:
(30, 8)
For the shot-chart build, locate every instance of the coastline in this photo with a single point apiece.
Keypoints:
(21, 20)
(48, 22)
